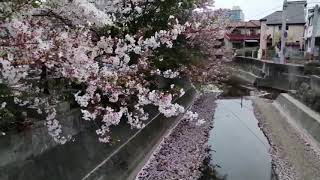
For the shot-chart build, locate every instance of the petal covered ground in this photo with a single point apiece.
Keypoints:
(181, 154)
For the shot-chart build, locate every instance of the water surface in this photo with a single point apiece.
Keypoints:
(240, 149)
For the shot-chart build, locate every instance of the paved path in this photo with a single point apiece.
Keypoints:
(292, 153)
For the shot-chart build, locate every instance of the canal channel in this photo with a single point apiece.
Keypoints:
(239, 149)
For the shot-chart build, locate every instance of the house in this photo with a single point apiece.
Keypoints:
(242, 34)
(311, 26)
(271, 26)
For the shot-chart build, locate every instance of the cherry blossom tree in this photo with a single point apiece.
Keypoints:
(109, 51)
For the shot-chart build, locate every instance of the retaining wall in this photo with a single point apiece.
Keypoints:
(33, 155)
(283, 77)
(305, 117)
(268, 66)
(315, 84)
(268, 74)
(239, 76)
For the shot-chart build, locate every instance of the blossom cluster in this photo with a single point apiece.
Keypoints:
(54, 127)
(98, 45)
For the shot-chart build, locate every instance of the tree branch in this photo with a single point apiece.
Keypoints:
(50, 13)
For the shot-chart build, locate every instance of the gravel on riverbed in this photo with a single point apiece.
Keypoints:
(280, 165)
(181, 154)
(293, 155)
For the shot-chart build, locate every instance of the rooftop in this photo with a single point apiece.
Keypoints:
(295, 15)
(248, 24)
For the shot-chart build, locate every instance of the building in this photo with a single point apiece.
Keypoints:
(236, 14)
(271, 26)
(312, 26)
(242, 34)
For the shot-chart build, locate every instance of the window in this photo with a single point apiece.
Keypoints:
(252, 32)
(236, 31)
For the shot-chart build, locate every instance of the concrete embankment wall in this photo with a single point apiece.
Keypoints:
(33, 155)
(271, 67)
(34, 141)
(305, 117)
(268, 74)
(130, 158)
(315, 84)
(283, 77)
(239, 76)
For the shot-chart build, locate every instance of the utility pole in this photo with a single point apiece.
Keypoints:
(314, 31)
(245, 34)
(263, 40)
(283, 32)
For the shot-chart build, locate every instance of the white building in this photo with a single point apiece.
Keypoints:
(271, 26)
(310, 27)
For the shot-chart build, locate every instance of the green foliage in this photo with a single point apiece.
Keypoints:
(154, 18)
(180, 54)
(5, 91)
(9, 7)
(157, 14)
(7, 119)
(7, 114)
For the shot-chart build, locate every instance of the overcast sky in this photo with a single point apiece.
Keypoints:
(255, 9)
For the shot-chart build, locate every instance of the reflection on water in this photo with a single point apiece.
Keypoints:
(240, 147)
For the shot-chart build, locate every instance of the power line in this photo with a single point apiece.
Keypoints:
(264, 12)
(245, 125)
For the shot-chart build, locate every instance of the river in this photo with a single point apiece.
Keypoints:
(239, 149)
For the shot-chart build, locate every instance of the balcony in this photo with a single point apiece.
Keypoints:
(242, 37)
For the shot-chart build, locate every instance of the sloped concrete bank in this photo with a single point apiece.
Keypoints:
(33, 156)
(315, 84)
(126, 161)
(305, 117)
(295, 155)
(243, 77)
(36, 140)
